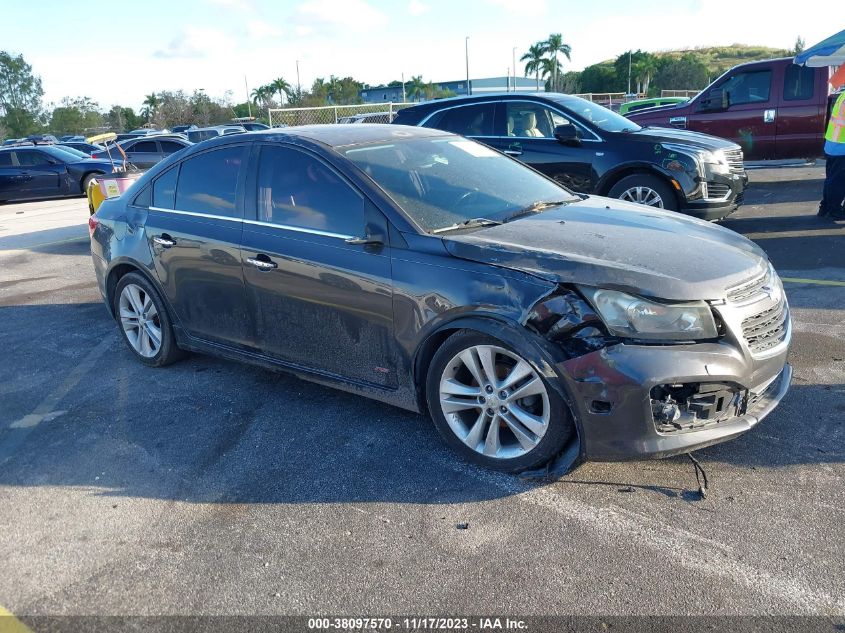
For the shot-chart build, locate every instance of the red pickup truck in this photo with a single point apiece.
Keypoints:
(773, 109)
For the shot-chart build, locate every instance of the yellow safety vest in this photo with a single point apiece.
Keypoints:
(836, 128)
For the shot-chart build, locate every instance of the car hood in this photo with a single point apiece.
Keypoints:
(617, 245)
(685, 137)
(94, 163)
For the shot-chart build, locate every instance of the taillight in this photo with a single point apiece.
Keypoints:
(92, 225)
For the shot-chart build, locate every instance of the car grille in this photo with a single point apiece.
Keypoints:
(766, 329)
(717, 191)
(748, 289)
(734, 158)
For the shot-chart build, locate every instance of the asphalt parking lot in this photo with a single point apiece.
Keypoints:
(216, 488)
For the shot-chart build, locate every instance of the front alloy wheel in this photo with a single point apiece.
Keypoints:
(642, 195)
(492, 406)
(494, 402)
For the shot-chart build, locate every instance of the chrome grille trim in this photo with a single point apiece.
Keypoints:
(748, 289)
(767, 329)
(735, 160)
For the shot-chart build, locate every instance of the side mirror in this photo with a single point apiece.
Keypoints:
(568, 135)
(715, 101)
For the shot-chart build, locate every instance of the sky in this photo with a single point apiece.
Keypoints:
(117, 52)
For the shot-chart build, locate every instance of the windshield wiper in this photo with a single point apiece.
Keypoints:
(536, 207)
(472, 223)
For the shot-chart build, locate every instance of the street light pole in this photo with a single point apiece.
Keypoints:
(514, 68)
(248, 105)
(629, 72)
(466, 49)
(298, 85)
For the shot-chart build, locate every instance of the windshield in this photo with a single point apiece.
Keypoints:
(72, 150)
(600, 116)
(445, 181)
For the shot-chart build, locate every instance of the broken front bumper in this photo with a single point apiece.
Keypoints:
(613, 394)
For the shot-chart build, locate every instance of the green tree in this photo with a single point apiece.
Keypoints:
(687, 72)
(600, 78)
(282, 87)
(553, 47)
(151, 103)
(551, 69)
(260, 95)
(122, 119)
(800, 44)
(75, 116)
(534, 61)
(415, 89)
(20, 96)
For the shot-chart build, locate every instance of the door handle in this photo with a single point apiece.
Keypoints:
(262, 264)
(165, 240)
(678, 121)
(513, 152)
(769, 116)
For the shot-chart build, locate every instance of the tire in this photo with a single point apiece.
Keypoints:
(500, 441)
(150, 337)
(85, 182)
(652, 191)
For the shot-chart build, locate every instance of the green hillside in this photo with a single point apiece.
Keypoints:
(719, 58)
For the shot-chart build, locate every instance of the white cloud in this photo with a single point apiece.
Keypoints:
(518, 6)
(351, 14)
(238, 5)
(417, 8)
(259, 29)
(195, 42)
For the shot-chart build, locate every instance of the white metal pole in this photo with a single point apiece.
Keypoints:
(248, 105)
(466, 47)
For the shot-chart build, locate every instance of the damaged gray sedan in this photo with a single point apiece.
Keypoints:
(432, 273)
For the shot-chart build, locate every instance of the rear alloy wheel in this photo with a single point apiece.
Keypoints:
(144, 321)
(645, 189)
(492, 405)
(86, 181)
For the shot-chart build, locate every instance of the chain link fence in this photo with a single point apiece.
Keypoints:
(360, 113)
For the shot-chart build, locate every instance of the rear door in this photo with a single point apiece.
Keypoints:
(320, 302)
(751, 116)
(144, 154)
(801, 113)
(194, 230)
(166, 148)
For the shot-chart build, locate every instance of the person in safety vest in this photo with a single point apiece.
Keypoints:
(834, 154)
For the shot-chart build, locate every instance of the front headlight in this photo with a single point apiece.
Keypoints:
(630, 316)
(717, 161)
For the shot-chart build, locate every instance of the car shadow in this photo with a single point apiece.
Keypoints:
(80, 411)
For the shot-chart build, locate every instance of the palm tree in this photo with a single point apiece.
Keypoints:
(259, 95)
(281, 86)
(151, 103)
(534, 61)
(645, 69)
(416, 88)
(552, 47)
(550, 68)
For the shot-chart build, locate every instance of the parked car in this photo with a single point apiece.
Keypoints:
(181, 129)
(88, 148)
(73, 150)
(644, 104)
(253, 126)
(591, 149)
(41, 139)
(773, 109)
(144, 131)
(450, 279)
(146, 151)
(71, 138)
(10, 141)
(370, 117)
(204, 133)
(45, 171)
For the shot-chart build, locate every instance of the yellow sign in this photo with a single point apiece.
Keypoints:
(112, 190)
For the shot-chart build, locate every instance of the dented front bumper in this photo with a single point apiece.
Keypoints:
(613, 389)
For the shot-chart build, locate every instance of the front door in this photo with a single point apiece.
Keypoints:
(194, 230)
(529, 137)
(751, 117)
(320, 302)
(40, 175)
(143, 154)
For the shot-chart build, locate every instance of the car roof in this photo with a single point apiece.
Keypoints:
(437, 104)
(345, 135)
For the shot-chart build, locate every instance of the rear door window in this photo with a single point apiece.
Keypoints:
(297, 190)
(30, 158)
(145, 146)
(798, 83)
(164, 189)
(208, 182)
(169, 147)
(474, 120)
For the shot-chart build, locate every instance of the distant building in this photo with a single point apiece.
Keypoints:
(386, 94)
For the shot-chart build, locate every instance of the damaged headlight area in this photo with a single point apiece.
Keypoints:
(633, 317)
(566, 319)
